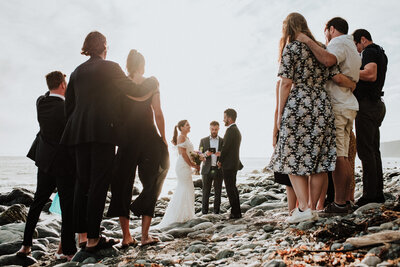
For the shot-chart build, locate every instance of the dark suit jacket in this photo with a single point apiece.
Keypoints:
(230, 149)
(93, 103)
(48, 154)
(203, 147)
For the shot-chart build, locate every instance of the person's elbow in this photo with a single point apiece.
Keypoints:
(329, 61)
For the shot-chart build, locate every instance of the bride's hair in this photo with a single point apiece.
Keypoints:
(134, 61)
(178, 126)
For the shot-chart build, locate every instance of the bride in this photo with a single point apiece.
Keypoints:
(181, 206)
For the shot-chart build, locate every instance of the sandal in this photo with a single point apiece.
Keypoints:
(102, 244)
(155, 241)
(23, 254)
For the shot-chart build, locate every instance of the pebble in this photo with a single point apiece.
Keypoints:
(371, 260)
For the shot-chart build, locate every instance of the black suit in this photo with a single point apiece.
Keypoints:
(210, 174)
(55, 169)
(94, 112)
(230, 165)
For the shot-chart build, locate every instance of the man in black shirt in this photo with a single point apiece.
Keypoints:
(370, 116)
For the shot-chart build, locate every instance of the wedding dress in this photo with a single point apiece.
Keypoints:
(181, 205)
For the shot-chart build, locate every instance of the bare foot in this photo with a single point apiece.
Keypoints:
(149, 241)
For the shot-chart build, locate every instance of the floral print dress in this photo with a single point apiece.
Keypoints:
(307, 139)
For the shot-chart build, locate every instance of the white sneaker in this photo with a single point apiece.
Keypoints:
(300, 216)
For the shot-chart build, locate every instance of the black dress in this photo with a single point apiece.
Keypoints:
(143, 148)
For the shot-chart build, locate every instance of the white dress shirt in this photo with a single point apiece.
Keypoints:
(57, 95)
(214, 142)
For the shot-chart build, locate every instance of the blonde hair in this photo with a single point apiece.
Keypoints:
(134, 61)
(293, 24)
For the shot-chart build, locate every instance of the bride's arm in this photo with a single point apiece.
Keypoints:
(182, 151)
(159, 116)
(142, 98)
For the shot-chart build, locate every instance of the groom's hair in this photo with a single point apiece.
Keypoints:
(231, 113)
(54, 79)
(94, 44)
(214, 123)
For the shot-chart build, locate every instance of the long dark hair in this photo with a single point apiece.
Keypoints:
(178, 126)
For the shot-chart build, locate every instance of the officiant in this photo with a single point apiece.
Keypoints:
(211, 146)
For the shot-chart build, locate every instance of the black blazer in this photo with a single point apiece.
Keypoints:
(93, 103)
(48, 154)
(230, 149)
(203, 147)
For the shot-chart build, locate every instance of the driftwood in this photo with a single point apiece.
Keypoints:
(374, 239)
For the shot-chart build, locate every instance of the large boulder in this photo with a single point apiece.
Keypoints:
(17, 196)
(10, 247)
(15, 260)
(15, 213)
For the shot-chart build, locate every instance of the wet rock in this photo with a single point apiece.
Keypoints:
(17, 196)
(226, 253)
(15, 213)
(10, 248)
(15, 260)
(369, 206)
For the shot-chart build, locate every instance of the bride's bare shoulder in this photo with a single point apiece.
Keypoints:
(181, 139)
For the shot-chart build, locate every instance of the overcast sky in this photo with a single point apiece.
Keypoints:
(207, 55)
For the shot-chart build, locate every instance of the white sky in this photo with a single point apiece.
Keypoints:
(208, 55)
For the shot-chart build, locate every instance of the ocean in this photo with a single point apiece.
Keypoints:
(21, 172)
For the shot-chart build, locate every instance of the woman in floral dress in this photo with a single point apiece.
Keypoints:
(305, 146)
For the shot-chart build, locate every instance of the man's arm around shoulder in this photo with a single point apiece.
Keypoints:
(320, 53)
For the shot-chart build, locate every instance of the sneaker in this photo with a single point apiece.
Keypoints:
(300, 216)
(332, 208)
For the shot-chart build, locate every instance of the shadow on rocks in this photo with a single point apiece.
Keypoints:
(15, 260)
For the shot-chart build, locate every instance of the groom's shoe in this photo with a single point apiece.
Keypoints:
(235, 216)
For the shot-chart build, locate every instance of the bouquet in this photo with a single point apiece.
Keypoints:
(197, 157)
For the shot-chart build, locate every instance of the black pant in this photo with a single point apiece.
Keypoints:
(369, 119)
(216, 176)
(46, 184)
(94, 168)
(232, 191)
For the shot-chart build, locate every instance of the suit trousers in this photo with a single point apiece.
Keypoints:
(369, 119)
(232, 191)
(46, 184)
(215, 176)
(94, 162)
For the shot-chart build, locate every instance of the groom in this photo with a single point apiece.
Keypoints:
(94, 118)
(229, 161)
(211, 146)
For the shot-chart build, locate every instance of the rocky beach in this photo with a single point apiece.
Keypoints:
(369, 236)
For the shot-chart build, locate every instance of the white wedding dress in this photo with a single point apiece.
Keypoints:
(181, 205)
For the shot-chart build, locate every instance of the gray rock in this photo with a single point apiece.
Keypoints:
(44, 231)
(166, 237)
(10, 248)
(376, 250)
(180, 232)
(89, 260)
(275, 263)
(226, 253)
(257, 200)
(254, 264)
(194, 222)
(271, 206)
(366, 207)
(17, 196)
(348, 246)
(203, 226)
(231, 229)
(43, 241)
(14, 260)
(386, 226)
(109, 224)
(305, 225)
(198, 248)
(15, 213)
(371, 260)
(168, 262)
(268, 228)
(384, 264)
(9, 236)
(198, 183)
(38, 254)
(94, 265)
(39, 246)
